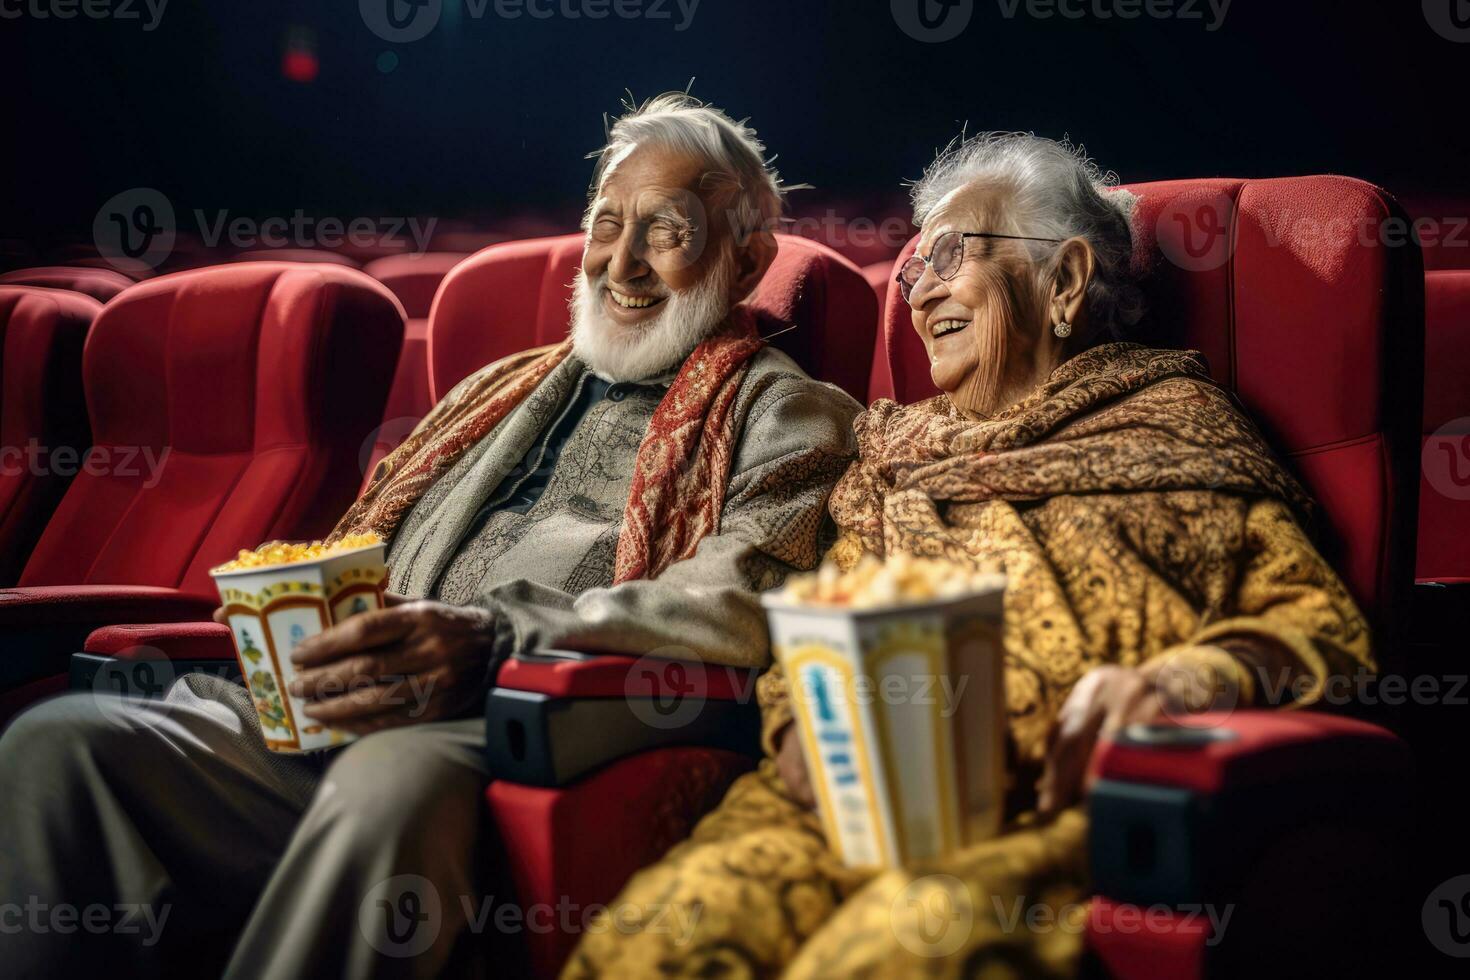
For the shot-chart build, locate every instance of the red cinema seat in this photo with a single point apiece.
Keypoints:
(295, 255)
(100, 284)
(485, 309)
(569, 733)
(414, 279)
(228, 406)
(1444, 495)
(1318, 329)
(42, 411)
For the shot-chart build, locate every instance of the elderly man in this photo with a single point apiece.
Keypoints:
(625, 491)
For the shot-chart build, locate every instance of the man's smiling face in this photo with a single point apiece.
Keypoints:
(649, 235)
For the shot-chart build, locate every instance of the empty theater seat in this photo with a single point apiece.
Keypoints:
(1319, 331)
(295, 255)
(1444, 495)
(414, 279)
(100, 284)
(42, 411)
(228, 406)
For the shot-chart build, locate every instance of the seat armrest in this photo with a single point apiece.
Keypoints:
(556, 716)
(170, 641)
(45, 625)
(1246, 815)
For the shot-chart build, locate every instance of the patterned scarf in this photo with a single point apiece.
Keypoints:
(1116, 418)
(679, 476)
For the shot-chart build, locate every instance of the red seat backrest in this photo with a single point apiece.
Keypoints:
(227, 407)
(414, 279)
(296, 255)
(1444, 496)
(100, 284)
(43, 414)
(509, 297)
(1287, 287)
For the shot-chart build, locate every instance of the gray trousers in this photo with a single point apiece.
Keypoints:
(161, 837)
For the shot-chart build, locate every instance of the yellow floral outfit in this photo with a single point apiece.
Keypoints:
(1137, 515)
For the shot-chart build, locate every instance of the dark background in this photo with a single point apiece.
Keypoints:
(489, 115)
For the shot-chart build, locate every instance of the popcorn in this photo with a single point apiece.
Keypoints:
(286, 552)
(875, 583)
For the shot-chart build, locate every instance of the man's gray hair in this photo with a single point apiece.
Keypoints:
(1053, 190)
(738, 172)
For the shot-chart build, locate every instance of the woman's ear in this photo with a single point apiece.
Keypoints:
(1074, 267)
(751, 262)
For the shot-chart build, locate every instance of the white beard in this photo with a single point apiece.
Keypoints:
(618, 352)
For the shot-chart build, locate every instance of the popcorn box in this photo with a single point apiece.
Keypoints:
(901, 713)
(272, 608)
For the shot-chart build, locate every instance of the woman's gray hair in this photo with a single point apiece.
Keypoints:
(738, 170)
(1053, 191)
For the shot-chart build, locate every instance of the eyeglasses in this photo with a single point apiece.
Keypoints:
(945, 258)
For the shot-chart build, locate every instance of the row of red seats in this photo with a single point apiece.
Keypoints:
(252, 372)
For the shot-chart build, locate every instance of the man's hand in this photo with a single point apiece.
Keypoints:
(415, 661)
(1109, 698)
(791, 765)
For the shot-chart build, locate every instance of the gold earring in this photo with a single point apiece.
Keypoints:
(1063, 329)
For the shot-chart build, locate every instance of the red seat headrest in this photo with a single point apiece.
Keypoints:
(512, 296)
(100, 284)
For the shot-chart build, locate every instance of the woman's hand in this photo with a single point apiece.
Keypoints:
(791, 765)
(1109, 698)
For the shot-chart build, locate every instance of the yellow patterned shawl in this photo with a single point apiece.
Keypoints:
(1135, 510)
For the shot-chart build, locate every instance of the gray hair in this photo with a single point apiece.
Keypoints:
(738, 170)
(1054, 191)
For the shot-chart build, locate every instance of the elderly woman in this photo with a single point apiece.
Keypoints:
(1155, 562)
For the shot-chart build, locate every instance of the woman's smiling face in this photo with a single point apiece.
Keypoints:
(979, 327)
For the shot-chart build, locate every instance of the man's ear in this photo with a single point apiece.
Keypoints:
(1075, 263)
(751, 262)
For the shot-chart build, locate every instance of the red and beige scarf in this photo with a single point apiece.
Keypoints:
(679, 476)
